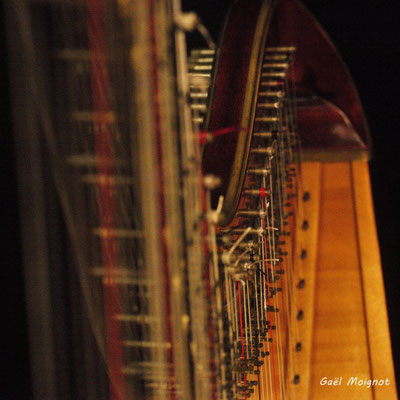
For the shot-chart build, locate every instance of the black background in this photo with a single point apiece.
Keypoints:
(367, 35)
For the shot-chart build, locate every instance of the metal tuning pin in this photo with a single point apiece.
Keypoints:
(267, 119)
(196, 53)
(281, 49)
(275, 57)
(263, 135)
(275, 105)
(276, 65)
(267, 151)
(278, 94)
(273, 74)
(271, 84)
(251, 213)
(258, 171)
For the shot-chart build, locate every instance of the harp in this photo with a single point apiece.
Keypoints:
(206, 221)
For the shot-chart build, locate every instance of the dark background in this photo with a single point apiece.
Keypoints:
(367, 35)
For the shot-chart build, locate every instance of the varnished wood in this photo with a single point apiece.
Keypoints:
(350, 336)
(233, 103)
(310, 179)
(340, 347)
(374, 294)
(344, 332)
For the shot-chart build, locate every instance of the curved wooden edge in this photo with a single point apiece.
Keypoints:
(233, 98)
(319, 68)
(373, 286)
(247, 120)
(326, 132)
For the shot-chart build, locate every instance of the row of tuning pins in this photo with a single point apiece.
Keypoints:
(200, 65)
(274, 115)
(274, 140)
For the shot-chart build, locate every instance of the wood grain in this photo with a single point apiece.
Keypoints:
(340, 345)
(350, 332)
(306, 240)
(374, 292)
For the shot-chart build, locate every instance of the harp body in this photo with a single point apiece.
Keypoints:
(337, 262)
(346, 288)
